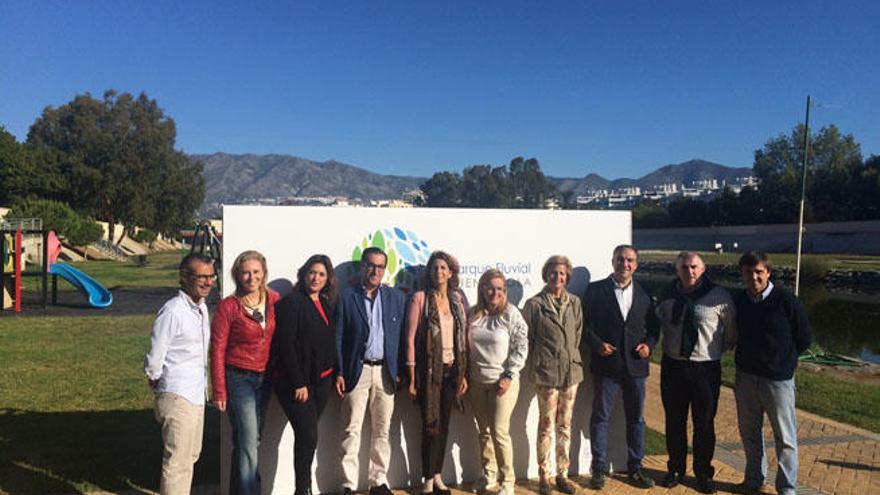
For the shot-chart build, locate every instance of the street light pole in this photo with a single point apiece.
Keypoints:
(797, 276)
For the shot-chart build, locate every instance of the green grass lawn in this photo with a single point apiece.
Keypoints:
(160, 271)
(834, 261)
(76, 413)
(75, 410)
(655, 442)
(853, 403)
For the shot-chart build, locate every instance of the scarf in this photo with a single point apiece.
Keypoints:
(683, 311)
(559, 306)
(434, 353)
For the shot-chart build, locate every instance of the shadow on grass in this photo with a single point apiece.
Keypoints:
(76, 452)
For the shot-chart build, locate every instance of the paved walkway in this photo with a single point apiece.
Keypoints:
(835, 458)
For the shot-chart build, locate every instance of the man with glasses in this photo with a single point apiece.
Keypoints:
(368, 345)
(177, 369)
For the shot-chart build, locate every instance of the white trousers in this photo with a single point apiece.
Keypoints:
(182, 424)
(375, 389)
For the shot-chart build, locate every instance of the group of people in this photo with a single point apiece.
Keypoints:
(366, 342)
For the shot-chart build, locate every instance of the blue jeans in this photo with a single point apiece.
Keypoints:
(247, 397)
(605, 391)
(754, 397)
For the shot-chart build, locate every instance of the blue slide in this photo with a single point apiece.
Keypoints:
(99, 296)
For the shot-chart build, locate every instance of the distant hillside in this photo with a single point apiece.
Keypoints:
(246, 178)
(580, 186)
(682, 173)
(249, 178)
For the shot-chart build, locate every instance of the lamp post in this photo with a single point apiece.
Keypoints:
(797, 276)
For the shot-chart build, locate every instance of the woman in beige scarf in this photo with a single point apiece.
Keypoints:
(437, 358)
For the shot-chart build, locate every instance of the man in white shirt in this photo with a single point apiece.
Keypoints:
(176, 367)
(699, 321)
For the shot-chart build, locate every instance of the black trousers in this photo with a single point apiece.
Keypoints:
(693, 385)
(434, 445)
(303, 417)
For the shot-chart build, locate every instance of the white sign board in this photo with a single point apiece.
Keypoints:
(517, 242)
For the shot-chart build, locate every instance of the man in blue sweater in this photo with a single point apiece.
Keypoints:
(773, 330)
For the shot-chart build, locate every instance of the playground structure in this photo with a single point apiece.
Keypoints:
(23, 242)
(207, 241)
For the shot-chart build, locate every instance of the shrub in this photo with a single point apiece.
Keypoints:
(61, 218)
(146, 236)
(814, 268)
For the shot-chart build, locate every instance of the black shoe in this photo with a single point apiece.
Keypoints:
(303, 491)
(442, 491)
(380, 490)
(544, 488)
(747, 489)
(706, 485)
(346, 491)
(672, 479)
(597, 481)
(639, 479)
(565, 485)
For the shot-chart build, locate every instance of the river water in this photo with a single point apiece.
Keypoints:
(844, 323)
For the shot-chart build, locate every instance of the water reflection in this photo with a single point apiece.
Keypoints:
(842, 323)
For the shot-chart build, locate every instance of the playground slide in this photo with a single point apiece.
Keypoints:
(99, 296)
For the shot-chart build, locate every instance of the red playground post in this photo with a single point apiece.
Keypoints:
(18, 270)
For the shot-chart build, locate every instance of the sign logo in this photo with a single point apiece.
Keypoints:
(407, 255)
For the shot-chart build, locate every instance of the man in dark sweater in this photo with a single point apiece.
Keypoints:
(772, 331)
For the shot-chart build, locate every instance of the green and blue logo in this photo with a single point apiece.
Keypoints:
(406, 254)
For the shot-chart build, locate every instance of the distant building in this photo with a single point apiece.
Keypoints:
(626, 197)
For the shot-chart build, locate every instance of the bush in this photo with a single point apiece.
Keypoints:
(814, 268)
(61, 218)
(146, 236)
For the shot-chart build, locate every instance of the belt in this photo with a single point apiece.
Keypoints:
(377, 362)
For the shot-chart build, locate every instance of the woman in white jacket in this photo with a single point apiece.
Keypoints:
(498, 348)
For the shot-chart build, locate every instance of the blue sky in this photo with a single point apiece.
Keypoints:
(612, 87)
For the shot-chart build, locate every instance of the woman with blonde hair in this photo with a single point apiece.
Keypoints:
(241, 336)
(555, 317)
(437, 358)
(498, 337)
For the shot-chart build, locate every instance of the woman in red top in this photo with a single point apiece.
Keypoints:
(305, 359)
(241, 336)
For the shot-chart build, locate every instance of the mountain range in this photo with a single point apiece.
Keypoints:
(249, 178)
